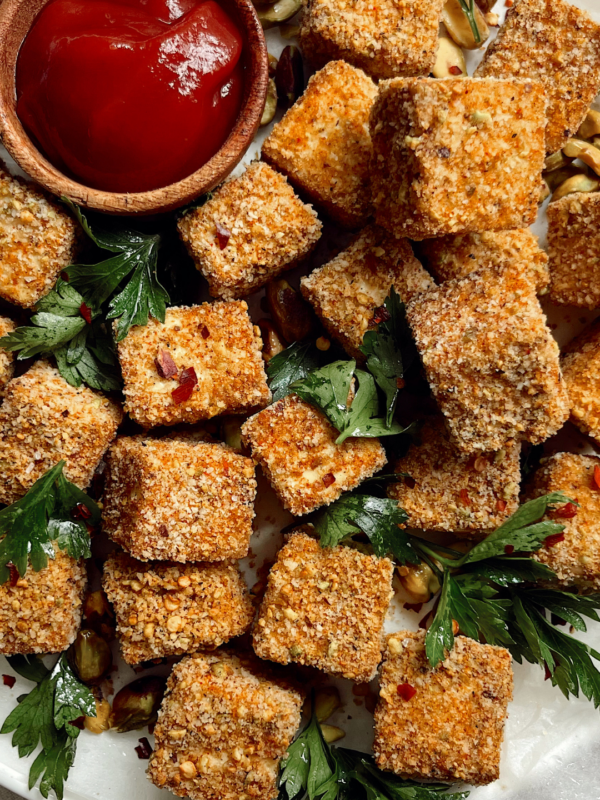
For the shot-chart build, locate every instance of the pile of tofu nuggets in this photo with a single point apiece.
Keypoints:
(377, 147)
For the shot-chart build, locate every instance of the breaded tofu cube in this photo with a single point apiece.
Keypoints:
(38, 239)
(490, 359)
(388, 39)
(573, 248)
(581, 371)
(443, 724)
(447, 491)
(576, 558)
(217, 342)
(325, 607)
(251, 229)
(7, 359)
(456, 256)
(43, 419)
(346, 292)
(164, 609)
(323, 144)
(456, 155)
(294, 443)
(553, 42)
(41, 612)
(177, 500)
(224, 725)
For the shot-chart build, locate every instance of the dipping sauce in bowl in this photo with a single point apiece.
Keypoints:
(130, 95)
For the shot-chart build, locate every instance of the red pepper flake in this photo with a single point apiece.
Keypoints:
(328, 479)
(78, 723)
(81, 511)
(86, 313)
(406, 691)
(501, 505)
(547, 673)
(14, 573)
(550, 541)
(400, 383)
(416, 607)
(165, 366)
(65, 276)
(464, 497)
(410, 482)
(509, 549)
(223, 235)
(596, 478)
(455, 70)
(9, 680)
(204, 332)
(144, 748)
(187, 381)
(380, 314)
(568, 511)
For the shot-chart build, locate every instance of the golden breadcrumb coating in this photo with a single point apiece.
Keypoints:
(224, 725)
(177, 500)
(558, 44)
(346, 291)
(581, 371)
(218, 341)
(490, 359)
(265, 229)
(7, 359)
(456, 155)
(294, 443)
(43, 419)
(451, 729)
(323, 144)
(447, 491)
(325, 608)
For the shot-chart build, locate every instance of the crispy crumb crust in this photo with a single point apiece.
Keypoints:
(37, 239)
(490, 359)
(325, 608)
(456, 155)
(7, 359)
(166, 609)
(294, 444)
(457, 493)
(218, 340)
(226, 721)
(558, 44)
(180, 501)
(581, 371)
(573, 246)
(386, 40)
(42, 612)
(43, 419)
(456, 256)
(271, 231)
(346, 291)
(323, 144)
(576, 559)
(452, 728)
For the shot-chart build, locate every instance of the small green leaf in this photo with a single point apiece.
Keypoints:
(293, 364)
(439, 639)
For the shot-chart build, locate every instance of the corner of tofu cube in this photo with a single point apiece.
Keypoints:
(581, 371)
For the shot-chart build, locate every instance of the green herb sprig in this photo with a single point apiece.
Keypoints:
(293, 364)
(468, 6)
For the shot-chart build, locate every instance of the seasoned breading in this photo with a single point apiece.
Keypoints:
(451, 729)
(323, 144)
(558, 44)
(325, 608)
(387, 39)
(177, 500)
(264, 229)
(347, 290)
(294, 443)
(43, 419)
(224, 725)
(490, 359)
(447, 491)
(166, 609)
(456, 155)
(581, 371)
(7, 359)
(218, 341)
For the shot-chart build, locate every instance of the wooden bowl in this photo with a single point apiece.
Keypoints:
(16, 18)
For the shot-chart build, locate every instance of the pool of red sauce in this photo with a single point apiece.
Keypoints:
(130, 95)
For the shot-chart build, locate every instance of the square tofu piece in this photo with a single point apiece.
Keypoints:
(7, 359)
(451, 729)
(224, 725)
(295, 445)
(252, 228)
(575, 559)
(164, 609)
(490, 359)
(41, 613)
(43, 419)
(553, 42)
(217, 341)
(456, 155)
(573, 250)
(37, 240)
(346, 292)
(456, 256)
(462, 494)
(323, 144)
(178, 500)
(581, 371)
(387, 39)
(325, 607)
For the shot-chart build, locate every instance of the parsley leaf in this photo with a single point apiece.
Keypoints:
(292, 364)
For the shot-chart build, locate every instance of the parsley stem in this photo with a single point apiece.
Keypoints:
(469, 9)
(432, 553)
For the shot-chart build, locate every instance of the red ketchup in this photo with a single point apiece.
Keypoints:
(130, 95)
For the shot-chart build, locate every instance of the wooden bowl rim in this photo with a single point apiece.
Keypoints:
(166, 198)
